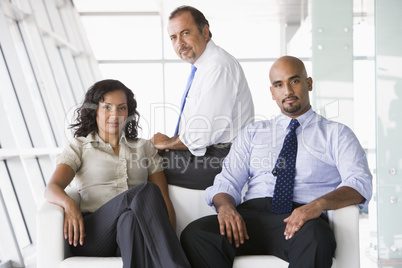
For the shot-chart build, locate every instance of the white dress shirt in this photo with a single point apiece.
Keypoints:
(219, 103)
(329, 156)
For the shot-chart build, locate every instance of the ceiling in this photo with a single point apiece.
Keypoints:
(282, 11)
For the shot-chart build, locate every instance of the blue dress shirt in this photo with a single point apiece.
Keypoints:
(329, 156)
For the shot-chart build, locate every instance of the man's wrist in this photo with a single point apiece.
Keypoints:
(176, 144)
(320, 203)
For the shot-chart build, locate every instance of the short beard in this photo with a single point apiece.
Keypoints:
(189, 60)
(292, 108)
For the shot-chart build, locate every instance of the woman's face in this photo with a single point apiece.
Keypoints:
(112, 114)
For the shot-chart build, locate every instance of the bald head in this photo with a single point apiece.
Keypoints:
(290, 86)
(285, 62)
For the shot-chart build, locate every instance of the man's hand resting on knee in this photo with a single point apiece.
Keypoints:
(231, 223)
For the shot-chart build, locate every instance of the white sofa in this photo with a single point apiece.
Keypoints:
(53, 251)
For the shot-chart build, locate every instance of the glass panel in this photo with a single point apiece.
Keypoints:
(63, 86)
(9, 249)
(176, 75)
(389, 129)
(257, 74)
(257, 38)
(7, 140)
(301, 42)
(364, 103)
(332, 50)
(363, 37)
(124, 37)
(28, 96)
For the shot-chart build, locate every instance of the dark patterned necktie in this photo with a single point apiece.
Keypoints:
(183, 100)
(285, 169)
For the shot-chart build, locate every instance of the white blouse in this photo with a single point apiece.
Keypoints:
(101, 174)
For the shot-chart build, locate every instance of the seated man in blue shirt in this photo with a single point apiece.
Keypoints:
(319, 165)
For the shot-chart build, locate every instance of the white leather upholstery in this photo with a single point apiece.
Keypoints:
(90, 262)
(53, 252)
(259, 261)
(189, 205)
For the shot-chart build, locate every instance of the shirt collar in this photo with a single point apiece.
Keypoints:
(95, 139)
(284, 120)
(205, 55)
(92, 137)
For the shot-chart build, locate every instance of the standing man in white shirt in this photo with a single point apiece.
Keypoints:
(216, 107)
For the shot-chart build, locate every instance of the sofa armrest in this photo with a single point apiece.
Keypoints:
(52, 248)
(345, 224)
(49, 225)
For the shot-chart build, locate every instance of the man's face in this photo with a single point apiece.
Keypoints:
(187, 40)
(290, 87)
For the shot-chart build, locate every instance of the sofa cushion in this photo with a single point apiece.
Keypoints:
(92, 262)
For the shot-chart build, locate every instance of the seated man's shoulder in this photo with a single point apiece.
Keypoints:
(329, 126)
(256, 128)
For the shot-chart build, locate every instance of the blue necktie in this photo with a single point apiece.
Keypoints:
(285, 169)
(183, 100)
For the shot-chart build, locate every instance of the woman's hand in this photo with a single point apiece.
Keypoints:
(73, 222)
(73, 229)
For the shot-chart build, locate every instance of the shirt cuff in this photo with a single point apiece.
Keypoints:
(361, 189)
(193, 151)
(218, 188)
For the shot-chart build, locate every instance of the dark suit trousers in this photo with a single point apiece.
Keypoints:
(136, 225)
(194, 172)
(312, 246)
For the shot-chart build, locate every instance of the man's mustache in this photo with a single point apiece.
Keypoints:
(290, 97)
(183, 48)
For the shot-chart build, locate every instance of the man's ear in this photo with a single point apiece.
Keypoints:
(310, 84)
(205, 32)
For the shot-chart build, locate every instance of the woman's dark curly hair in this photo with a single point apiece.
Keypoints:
(86, 113)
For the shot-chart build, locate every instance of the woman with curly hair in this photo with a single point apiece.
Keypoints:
(125, 209)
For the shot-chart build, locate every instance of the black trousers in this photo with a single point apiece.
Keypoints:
(136, 225)
(194, 172)
(312, 246)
